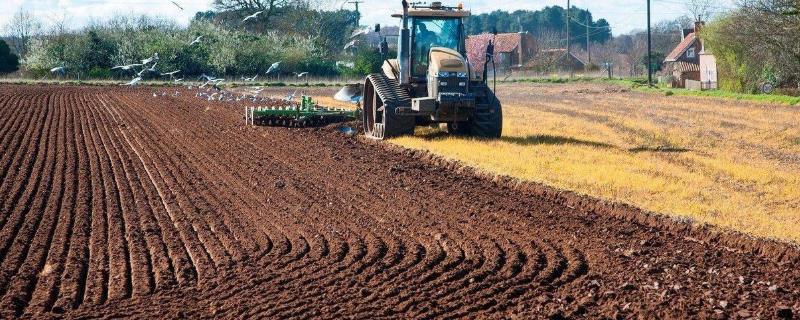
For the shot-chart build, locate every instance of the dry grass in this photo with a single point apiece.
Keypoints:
(729, 163)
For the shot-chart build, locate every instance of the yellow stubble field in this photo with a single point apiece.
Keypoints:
(728, 163)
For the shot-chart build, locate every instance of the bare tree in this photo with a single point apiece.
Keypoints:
(247, 7)
(22, 27)
(550, 39)
(701, 9)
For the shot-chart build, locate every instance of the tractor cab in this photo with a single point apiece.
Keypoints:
(433, 26)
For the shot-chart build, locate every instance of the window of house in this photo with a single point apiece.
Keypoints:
(690, 53)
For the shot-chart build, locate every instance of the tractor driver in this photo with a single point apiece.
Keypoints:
(425, 39)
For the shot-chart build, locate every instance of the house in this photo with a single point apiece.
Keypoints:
(708, 70)
(555, 60)
(511, 50)
(683, 63)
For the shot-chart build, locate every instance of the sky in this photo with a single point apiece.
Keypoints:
(623, 15)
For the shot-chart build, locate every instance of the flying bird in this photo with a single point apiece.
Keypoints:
(177, 5)
(152, 58)
(153, 67)
(206, 77)
(252, 16)
(274, 67)
(350, 45)
(133, 82)
(214, 83)
(301, 74)
(250, 79)
(127, 67)
(172, 73)
(359, 32)
(178, 80)
(59, 70)
(196, 40)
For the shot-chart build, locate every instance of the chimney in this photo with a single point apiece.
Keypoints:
(698, 25)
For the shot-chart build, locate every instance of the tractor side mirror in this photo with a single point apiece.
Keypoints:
(378, 27)
(490, 51)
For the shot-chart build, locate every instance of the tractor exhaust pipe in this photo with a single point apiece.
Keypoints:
(405, 58)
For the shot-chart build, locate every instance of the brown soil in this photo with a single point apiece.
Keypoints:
(116, 203)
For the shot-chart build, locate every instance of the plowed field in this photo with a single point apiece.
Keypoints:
(117, 203)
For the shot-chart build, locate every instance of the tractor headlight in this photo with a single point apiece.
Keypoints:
(462, 84)
(462, 74)
(444, 74)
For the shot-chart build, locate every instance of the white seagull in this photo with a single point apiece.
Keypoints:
(359, 32)
(133, 82)
(170, 73)
(60, 70)
(250, 79)
(350, 44)
(152, 58)
(274, 67)
(127, 67)
(252, 16)
(196, 40)
(301, 74)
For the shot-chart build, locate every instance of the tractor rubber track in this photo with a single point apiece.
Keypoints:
(116, 203)
(389, 91)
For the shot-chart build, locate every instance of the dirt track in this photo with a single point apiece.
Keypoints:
(118, 203)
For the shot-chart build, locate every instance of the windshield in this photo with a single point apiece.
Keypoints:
(433, 32)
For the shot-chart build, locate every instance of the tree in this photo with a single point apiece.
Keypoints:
(700, 9)
(757, 41)
(21, 28)
(536, 22)
(247, 7)
(9, 62)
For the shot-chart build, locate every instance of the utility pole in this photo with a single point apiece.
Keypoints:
(649, 50)
(588, 48)
(569, 44)
(356, 2)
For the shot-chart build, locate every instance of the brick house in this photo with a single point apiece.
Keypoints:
(555, 60)
(683, 63)
(511, 50)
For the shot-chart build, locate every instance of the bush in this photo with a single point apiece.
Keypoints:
(9, 62)
(99, 73)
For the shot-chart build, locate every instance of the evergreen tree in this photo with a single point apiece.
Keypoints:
(9, 62)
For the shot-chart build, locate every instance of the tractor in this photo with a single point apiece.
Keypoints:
(431, 80)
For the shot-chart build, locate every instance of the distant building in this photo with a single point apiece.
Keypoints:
(708, 70)
(684, 62)
(511, 50)
(374, 39)
(555, 60)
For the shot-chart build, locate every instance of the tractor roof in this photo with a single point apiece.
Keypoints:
(434, 13)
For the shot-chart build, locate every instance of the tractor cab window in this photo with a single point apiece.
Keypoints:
(433, 32)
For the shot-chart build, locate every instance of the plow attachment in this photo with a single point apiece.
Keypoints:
(307, 114)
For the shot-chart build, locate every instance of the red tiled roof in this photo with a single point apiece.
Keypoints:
(681, 48)
(476, 46)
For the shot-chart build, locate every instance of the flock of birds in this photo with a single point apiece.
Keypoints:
(146, 70)
(148, 66)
